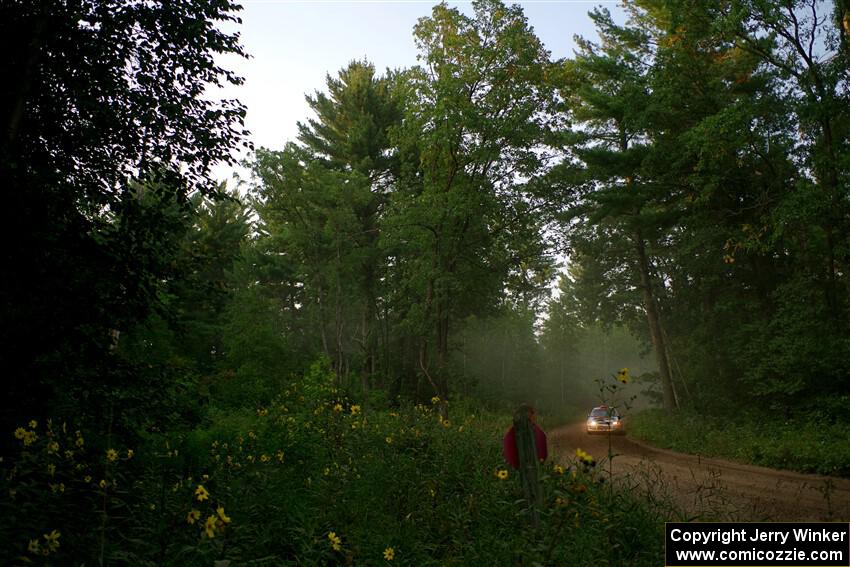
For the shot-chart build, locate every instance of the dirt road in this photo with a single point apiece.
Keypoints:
(712, 488)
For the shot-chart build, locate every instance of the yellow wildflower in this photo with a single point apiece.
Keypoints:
(584, 457)
(558, 469)
(280, 456)
(20, 433)
(224, 517)
(502, 474)
(193, 516)
(336, 542)
(435, 400)
(80, 441)
(29, 438)
(262, 412)
(87, 478)
(103, 484)
(201, 493)
(265, 458)
(51, 469)
(209, 526)
(112, 455)
(355, 410)
(623, 375)
(52, 540)
(130, 453)
(389, 554)
(33, 424)
(389, 440)
(338, 408)
(34, 547)
(53, 447)
(69, 454)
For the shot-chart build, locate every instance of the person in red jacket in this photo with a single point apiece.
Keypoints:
(509, 444)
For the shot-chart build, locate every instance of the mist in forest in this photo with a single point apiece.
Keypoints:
(505, 360)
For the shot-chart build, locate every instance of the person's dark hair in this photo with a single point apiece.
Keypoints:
(526, 408)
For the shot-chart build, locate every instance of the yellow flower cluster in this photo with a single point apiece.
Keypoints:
(335, 541)
(584, 457)
(502, 474)
(51, 543)
(28, 437)
(216, 523)
(558, 469)
(623, 375)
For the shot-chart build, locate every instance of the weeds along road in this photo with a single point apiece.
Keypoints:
(693, 486)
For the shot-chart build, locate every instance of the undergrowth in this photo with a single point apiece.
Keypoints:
(805, 446)
(311, 478)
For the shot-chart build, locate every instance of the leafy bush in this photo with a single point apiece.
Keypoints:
(807, 446)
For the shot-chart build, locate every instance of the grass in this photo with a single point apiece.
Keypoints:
(312, 478)
(822, 448)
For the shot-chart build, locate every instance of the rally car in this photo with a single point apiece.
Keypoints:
(604, 419)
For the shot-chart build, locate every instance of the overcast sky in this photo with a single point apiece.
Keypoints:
(295, 43)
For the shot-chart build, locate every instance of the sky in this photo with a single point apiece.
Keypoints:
(294, 44)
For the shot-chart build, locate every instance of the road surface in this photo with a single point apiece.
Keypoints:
(693, 486)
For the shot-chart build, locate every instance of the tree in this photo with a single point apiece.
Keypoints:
(461, 222)
(322, 201)
(606, 90)
(100, 94)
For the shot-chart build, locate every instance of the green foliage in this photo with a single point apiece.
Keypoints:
(295, 480)
(811, 442)
(106, 133)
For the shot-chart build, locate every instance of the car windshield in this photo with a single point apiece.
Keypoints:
(603, 412)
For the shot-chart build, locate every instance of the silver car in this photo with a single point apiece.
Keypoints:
(604, 419)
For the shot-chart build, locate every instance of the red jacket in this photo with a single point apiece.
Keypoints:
(510, 451)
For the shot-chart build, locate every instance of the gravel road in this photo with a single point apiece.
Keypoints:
(715, 489)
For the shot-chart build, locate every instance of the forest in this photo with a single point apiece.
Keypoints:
(198, 372)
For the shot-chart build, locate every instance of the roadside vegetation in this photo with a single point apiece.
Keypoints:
(812, 444)
(311, 477)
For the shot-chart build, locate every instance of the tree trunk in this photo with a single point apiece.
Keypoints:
(655, 331)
